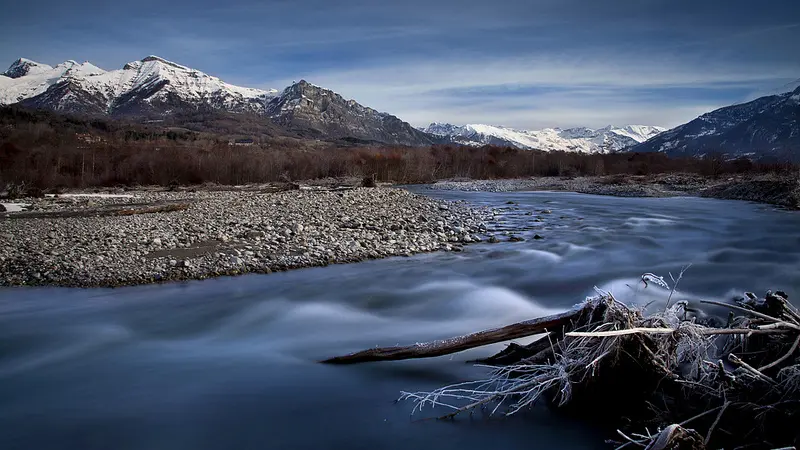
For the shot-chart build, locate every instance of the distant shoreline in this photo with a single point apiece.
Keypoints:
(783, 191)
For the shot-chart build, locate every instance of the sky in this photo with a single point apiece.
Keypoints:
(519, 63)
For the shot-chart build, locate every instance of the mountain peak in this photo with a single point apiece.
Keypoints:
(302, 85)
(154, 58)
(318, 112)
(24, 66)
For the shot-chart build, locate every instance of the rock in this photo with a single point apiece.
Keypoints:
(536, 236)
(545, 211)
(2, 207)
(156, 242)
(493, 240)
(515, 238)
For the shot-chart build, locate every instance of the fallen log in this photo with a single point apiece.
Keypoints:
(461, 343)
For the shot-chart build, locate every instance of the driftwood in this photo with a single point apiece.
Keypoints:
(459, 343)
(666, 372)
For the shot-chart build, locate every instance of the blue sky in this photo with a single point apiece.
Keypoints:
(519, 63)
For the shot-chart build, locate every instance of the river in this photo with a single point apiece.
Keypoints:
(229, 363)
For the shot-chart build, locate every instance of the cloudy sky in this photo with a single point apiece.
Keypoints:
(519, 63)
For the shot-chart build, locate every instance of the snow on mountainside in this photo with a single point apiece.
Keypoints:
(152, 84)
(26, 79)
(586, 140)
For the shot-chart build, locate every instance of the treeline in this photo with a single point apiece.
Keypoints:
(48, 151)
(165, 163)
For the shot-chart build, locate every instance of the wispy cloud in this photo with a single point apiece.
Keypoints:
(521, 63)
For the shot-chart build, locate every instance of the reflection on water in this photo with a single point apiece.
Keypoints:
(229, 363)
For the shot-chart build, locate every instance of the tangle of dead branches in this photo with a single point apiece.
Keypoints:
(696, 384)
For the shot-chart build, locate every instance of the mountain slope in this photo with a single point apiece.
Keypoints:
(317, 112)
(767, 127)
(586, 140)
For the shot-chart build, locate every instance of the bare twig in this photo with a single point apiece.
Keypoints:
(784, 357)
(701, 415)
(630, 440)
(675, 284)
(716, 422)
(750, 311)
(624, 332)
(738, 361)
(645, 330)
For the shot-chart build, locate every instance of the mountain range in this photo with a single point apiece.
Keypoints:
(585, 140)
(155, 88)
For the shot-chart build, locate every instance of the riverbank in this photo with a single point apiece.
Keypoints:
(776, 190)
(144, 237)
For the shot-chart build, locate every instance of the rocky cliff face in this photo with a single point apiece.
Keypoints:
(318, 112)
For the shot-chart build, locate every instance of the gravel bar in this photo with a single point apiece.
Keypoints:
(99, 241)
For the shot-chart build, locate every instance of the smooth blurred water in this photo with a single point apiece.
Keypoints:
(229, 363)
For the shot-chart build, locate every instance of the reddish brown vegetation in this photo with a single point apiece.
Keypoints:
(44, 150)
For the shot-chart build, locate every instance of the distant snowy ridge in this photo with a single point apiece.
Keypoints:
(585, 140)
(139, 86)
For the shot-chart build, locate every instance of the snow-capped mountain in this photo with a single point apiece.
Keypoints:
(154, 86)
(318, 112)
(151, 85)
(586, 140)
(767, 127)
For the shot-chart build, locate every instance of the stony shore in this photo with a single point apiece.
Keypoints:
(147, 237)
(777, 190)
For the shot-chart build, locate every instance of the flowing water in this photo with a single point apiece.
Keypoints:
(229, 363)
